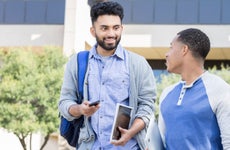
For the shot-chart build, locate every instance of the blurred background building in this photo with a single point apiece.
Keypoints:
(149, 26)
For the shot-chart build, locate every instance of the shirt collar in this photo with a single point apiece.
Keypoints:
(118, 53)
(190, 85)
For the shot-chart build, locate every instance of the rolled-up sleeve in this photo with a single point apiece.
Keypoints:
(69, 90)
(146, 93)
(143, 88)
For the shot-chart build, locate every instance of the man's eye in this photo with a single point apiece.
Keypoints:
(103, 28)
(117, 28)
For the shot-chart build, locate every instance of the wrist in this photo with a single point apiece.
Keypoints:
(75, 110)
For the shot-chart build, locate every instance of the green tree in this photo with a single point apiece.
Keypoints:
(223, 72)
(30, 84)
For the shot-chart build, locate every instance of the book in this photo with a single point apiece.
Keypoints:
(153, 138)
(121, 119)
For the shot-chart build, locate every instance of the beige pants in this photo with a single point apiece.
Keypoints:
(63, 145)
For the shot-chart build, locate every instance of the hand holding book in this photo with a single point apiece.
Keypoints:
(122, 119)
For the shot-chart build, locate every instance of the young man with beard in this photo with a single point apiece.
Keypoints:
(114, 75)
(195, 112)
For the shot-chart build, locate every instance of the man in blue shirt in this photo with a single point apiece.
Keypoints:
(195, 112)
(114, 75)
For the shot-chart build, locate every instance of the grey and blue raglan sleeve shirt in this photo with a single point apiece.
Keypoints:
(196, 116)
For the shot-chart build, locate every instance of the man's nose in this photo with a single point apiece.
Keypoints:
(110, 32)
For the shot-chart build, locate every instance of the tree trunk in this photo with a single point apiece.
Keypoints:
(22, 141)
(46, 138)
(30, 141)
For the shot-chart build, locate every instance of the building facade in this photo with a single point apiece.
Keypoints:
(149, 25)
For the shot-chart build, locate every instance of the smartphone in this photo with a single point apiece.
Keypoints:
(94, 103)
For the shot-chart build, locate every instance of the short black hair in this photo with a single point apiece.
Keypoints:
(106, 8)
(197, 41)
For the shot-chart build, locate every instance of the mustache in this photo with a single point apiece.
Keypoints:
(110, 37)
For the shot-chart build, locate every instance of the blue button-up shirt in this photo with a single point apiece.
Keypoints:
(108, 82)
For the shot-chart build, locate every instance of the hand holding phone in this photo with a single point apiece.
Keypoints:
(94, 103)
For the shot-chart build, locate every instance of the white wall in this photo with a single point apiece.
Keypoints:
(9, 141)
(161, 35)
(133, 35)
(31, 35)
(77, 24)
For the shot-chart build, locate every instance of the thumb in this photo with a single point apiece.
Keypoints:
(122, 130)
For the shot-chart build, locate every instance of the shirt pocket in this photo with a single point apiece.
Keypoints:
(118, 84)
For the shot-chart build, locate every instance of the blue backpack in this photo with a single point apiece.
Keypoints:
(70, 129)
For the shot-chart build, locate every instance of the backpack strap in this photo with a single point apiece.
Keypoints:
(70, 129)
(82, 62)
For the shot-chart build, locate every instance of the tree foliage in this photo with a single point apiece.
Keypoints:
(29, 91)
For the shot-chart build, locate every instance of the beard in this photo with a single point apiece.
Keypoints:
(108, 47)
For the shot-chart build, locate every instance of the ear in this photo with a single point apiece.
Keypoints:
(185, 49)
(92, 31)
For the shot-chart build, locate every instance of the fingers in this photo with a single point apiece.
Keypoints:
(124, 138)
(88, 110)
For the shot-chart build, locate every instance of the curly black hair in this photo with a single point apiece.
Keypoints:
(197, 41)
(106, 8)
